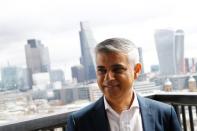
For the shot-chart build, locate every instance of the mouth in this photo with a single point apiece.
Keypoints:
(107, 86)
(110, 86)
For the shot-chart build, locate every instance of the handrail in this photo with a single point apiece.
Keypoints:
(182, 103)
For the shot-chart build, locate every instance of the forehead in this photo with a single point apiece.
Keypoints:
(109, 59)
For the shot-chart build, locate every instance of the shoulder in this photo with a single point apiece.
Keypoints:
(86, 111)
(164, 114)
(155, 105)
(83, 117)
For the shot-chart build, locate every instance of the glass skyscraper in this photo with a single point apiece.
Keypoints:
(87, 59)
(170, 50)
(179, 52)
(37, 56)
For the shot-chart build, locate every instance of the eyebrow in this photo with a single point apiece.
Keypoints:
(118, 66)
(114, 66)
(100, 67)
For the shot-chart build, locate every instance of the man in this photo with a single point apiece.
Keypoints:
(121, 109)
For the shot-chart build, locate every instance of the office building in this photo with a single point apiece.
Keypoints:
(14, 78)
(78, 73)
(179, 52)
(57, 75)
(170, 50)
(190, 65)
(141, 59)
(87, 59)
(154, 68)
(37, 56)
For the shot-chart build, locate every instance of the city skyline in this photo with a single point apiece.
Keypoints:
(57, 26)
(78, 62)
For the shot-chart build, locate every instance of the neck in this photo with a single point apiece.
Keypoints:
(122, 103)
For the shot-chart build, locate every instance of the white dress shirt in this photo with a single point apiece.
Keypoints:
(128, 120)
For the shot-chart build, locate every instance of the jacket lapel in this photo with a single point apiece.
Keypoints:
(99, 117)
(101, 123)
(148, 118)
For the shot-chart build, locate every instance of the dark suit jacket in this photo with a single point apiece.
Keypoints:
(156, 116)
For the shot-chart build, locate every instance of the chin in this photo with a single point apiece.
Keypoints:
(112, 96)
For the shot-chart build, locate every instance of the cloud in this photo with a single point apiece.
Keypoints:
(56, 24)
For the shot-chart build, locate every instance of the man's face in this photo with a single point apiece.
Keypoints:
(115, 75)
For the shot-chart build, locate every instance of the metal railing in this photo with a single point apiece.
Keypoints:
(185, 106)
(53, 122)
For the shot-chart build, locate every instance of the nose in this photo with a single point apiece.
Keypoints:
(109, 76)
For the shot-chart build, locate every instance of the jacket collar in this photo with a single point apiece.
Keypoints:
(147, 114)
(100, 122)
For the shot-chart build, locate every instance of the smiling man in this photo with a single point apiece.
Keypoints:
(120, 108)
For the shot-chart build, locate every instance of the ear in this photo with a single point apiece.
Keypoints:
(137, 70)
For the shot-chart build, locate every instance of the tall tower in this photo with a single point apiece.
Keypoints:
(87, 59)
(37, 56)
(165, 48)
(179, 51)
(170, 50)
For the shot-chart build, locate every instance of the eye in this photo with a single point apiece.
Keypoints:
(118, 70)
(101, 71)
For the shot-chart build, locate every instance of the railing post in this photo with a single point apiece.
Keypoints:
(176, 107)
(191, 118)
(184, 117)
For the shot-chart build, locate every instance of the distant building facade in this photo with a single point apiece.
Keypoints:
(141, 59)
(37, 56)
(15, 78)
(87, 51)
(170, 50)
(192, 84)
(142, 75)
(57, 75)
(78, 73)
(179, 82)
(190, 65)
(154, 68)
(41, 81)
(71, 94)
(179, 52)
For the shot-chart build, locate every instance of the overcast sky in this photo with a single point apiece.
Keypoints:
(56, 24)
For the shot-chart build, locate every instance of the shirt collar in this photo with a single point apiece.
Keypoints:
(135, 103)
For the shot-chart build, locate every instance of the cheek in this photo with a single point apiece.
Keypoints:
(100, 80)
(126, 79)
